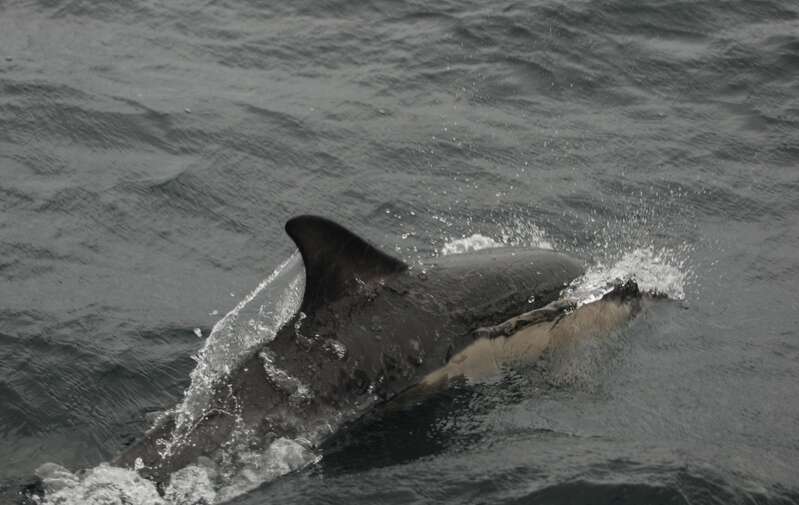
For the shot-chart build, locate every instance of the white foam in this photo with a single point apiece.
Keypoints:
(101, 485)
(283, 456)
(192, 485)
(659, 272)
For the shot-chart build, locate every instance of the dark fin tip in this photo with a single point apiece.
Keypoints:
(335, 258)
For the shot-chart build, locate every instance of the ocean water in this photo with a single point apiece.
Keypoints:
(151, 151)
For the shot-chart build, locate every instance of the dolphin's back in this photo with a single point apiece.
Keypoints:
(494, 284)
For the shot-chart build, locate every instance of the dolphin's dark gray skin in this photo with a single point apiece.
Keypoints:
(369, 328)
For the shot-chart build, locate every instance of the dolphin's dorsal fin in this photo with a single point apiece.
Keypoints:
(335, 259)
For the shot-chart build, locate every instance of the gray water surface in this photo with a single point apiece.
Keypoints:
(151, 151)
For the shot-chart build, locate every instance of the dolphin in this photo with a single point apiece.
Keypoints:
(371, 329)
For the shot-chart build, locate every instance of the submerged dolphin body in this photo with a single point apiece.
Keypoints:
(370, 328)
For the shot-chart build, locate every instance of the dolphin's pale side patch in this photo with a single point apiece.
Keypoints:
(512, 343)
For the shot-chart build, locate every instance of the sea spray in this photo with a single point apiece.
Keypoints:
(269, 306)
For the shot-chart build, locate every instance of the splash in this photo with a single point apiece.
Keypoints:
(254, 321)
(195, 484)
(283, 456)
(283, 380)
(476, 242)
(661, 272)
(522, 233)
(101, 485)
(518, 234)
(269, 306)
